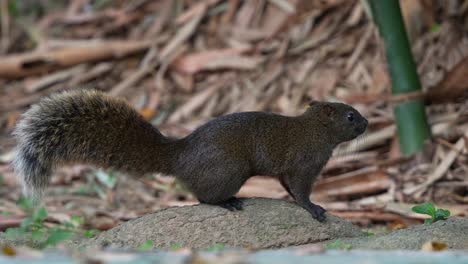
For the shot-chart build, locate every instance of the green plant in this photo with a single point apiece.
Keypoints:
(176, 246)
(429, 209)
(4, 213)
(107, 178)
(216, 247)
(91, 233)
(435, 28)
(34, 230)
(25, 204)
(410, 115)
(13, 7)
(338, 244)
(147, 245)
(98, 182)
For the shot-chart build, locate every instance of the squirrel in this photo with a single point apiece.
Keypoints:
(213, 162)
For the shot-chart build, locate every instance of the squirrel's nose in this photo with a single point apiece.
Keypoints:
(364, 123)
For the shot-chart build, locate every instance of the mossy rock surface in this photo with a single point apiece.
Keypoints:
(263, 223)
(452, 232)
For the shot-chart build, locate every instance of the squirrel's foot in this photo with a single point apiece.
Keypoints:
(233, 204)
(316, 211)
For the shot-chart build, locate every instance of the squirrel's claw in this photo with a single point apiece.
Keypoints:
(320, 217)
(317, 212)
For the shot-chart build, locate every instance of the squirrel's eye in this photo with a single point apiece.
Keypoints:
(350, 116)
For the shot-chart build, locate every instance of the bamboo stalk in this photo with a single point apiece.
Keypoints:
(413, 128)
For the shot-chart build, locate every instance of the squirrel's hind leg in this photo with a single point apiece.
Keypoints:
(218, 186)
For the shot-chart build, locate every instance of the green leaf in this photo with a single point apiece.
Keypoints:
(435, 28)
(99, 191)
(106, 178)
(38, 234)
(4, 213)
(69, 225)
(428, 221)
(91, 233)
(147, 245)
(338, 244)
(57, 235)
(425, 208)
(40, 215)
(13, 8)
(176, 246)
(25, 204)
(13, 233)
(26, 223)
(216, 247)
(441, 214)
(78, 220)
(74, 222)
(429, 209)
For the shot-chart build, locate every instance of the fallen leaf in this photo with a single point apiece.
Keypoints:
(359, 183)
(214, 59)
(8, 250)
(453, 86)
(434, 246)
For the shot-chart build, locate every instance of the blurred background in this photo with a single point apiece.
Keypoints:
(182, 62)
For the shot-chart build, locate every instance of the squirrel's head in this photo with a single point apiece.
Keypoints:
(343, 121)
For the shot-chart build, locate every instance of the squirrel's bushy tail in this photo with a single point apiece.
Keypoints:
(88, 127)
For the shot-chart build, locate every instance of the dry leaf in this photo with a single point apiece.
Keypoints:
(365, 182)
(453, 86)
(213, 59)
(184, 33)
(26, 64)
(277, 14)
(8, 250)
(434, 246)
(195, 102)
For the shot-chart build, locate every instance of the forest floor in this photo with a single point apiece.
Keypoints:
(180, 63)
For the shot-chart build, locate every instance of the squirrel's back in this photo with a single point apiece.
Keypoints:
(84, 126)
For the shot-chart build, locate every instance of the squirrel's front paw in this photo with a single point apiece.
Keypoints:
(316, 211)
(233, 204)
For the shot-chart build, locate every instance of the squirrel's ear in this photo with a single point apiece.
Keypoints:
(328, 110)
(313, 102)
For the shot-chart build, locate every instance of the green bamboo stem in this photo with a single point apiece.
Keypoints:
(413, 128)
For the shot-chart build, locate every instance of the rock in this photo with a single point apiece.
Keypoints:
(263, 223)
(453, 232)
